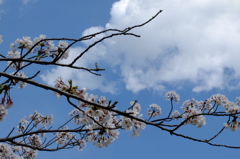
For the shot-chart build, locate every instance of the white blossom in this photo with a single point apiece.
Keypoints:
(175, 114)
(136, 107)
(1, 40)
(29, 153)
(172, 95)
(233, 126)
(154, 111)
(6, 152)
(25, 42)
(219, 99)
(82, 144)
(231, 107)
(3, 112)
(35, 140)
(40, 119)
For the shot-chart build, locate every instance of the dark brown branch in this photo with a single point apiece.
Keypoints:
(56, 64)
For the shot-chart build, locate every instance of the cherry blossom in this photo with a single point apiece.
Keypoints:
(3, 112)
(154, 111)
(233, 126)
(218, 99)
(1, 40)
(176, 114)
(192, 114)
(172, 95)
(35, 140)
(40, 119)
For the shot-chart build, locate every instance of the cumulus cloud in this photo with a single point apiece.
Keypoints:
(191, 41)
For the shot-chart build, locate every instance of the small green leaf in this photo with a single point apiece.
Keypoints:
(75, 87)
(38, 58)
(114, 104)
(2, 88)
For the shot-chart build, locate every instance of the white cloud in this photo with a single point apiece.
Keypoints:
(83, 79)
(28, 1)
(191, 41)
(1, 10)
(25, 1)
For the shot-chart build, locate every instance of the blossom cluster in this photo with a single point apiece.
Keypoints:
(221, 100)
(131, 124)
(33, 139)
(3, 112)
(39, 48)
(9, 152)
(22, 84)
(230, 107)
(103, 121)
(99, 119)
(5, 103)
(101, 124)
(193, 110)
(63, 137)
(43, 48)
(192, 114)
(40, 119)
(37, 119)
(104, 137)
(233, 126)
(238, 101)
(172, 95)
(176, 114)
(154, 111)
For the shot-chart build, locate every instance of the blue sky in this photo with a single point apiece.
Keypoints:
(192, 47)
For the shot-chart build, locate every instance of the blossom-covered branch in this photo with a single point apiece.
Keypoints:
(93, 119)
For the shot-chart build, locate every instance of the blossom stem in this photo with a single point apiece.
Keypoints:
(171, 108)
